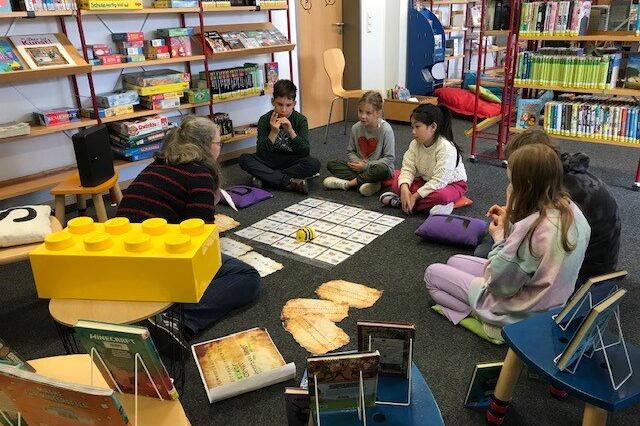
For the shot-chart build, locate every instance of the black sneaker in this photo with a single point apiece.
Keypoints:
(168, 336)
(256, 183)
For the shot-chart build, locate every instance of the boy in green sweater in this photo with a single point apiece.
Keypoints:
(282, 159)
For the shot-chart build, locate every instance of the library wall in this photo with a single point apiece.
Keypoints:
(28, 156)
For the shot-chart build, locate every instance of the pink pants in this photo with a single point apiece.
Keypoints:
(448, 284)
(449, 194)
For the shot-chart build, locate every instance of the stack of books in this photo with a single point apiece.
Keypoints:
(13, 128)
(234, 40)
(233, 82)
(138, 140)
(38, 5)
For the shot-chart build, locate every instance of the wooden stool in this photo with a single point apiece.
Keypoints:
(72, 186)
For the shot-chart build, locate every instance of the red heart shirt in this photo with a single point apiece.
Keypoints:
(367, 146)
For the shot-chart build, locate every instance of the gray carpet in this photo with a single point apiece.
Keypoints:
(395, 263)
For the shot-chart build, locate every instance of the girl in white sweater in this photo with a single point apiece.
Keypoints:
(432, 176)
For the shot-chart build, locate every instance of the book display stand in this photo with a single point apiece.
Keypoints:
(599, 345)
(361, 410)
(138, 361)
(392, 387)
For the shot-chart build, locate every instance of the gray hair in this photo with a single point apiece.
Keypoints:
(191, 142)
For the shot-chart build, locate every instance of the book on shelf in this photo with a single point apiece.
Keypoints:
(9, 61)
(528, 113)
(47, 401)
(42, 51)
(586, 337)
(600, 287)
(558, 18)
(296, 402)
(9, 356)
(117, 346)
(632, 71)
(338, 380)
(482, 385)
(13, 128)
(239, 363)
(392, 340)
(271, 75)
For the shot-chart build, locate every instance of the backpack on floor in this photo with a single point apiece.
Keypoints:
(453, 230)
(245, 196)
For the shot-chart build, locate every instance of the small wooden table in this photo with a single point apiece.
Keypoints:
(69, 311)
(21, 252)
(77, 369)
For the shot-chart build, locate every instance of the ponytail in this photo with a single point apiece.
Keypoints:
(441, 115)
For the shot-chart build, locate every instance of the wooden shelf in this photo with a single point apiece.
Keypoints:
(39, 14)
(241, 9)
(143, 11)
(150, 62)
(143, 112)
(588, 140)
(496, 32)
(454, 30)
(621, 91)
(237, 138)
(497, 49)
(235, 154)
(452, 57)
(39, 130)
(447, 2)
(80, 67)
(628, 36)
(248, 51)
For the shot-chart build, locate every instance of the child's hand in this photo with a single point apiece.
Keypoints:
(356, 166)
(274, 121)
(496, 213)
(407, 199)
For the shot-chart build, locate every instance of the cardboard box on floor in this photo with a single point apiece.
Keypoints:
(401, 110)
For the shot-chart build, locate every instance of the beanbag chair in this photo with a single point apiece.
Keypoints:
(245, 196)
(462, 102)
(472, 324)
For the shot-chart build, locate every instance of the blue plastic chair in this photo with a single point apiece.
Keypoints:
(537, 340)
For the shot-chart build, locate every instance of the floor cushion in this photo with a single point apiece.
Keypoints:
(473, 325)
(462, 101)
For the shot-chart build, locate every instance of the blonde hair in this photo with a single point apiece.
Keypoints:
(529, 137)
(372, 98)
(536, 179)
(191, 143)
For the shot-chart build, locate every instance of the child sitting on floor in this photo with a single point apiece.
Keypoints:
(282, 159)
(541, 237)
(371, 151)
(433, 175)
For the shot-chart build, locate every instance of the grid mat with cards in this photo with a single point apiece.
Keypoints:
(341, 230)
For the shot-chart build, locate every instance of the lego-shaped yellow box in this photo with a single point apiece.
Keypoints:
(118, 260)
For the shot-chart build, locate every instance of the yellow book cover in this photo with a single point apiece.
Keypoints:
(110, 4)
(155, 90)
(239, 363)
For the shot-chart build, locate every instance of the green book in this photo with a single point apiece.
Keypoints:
(117, 345)
(483, 384)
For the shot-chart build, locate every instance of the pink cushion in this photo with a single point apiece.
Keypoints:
(462, 101)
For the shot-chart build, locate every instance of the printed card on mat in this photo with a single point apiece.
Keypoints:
(316, 333)
(42, 51)
(233, 248)
(311, 202)
(240, 363)
(263, 264)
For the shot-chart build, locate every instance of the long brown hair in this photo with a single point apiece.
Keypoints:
(536, 177)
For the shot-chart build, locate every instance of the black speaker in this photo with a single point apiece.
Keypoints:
(93, 155)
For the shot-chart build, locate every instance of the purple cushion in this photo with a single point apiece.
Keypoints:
(245, 196)
(452, 229)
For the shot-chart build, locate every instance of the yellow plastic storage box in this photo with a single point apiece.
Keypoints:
(118, 260)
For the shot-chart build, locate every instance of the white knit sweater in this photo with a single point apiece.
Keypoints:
(436, 165)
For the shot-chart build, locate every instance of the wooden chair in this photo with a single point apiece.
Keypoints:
(334, 63)
(537, 340)
(21, 252)
(72, 186)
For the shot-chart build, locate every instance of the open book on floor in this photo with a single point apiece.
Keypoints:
(46, 401)
(239, 363)
(117, 345)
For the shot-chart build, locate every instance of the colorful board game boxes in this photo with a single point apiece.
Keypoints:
(140, 127)
(161, 104)
(120, 97)
(57, 116)
(95, 62)
(107, 112)
(175, 3)
(110, 4)
(195, 96)
(128, 44)
(118, 260)
(135, 58)
(100, 50)
(161, 96)
(111, 59)
(154, 50)
(180, 46)
(174, 32)
(154, 90)
(156, 77)
(131, 36)
(155, 42)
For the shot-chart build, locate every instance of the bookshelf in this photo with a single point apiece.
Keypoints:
(22, 185)
(621, 124)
